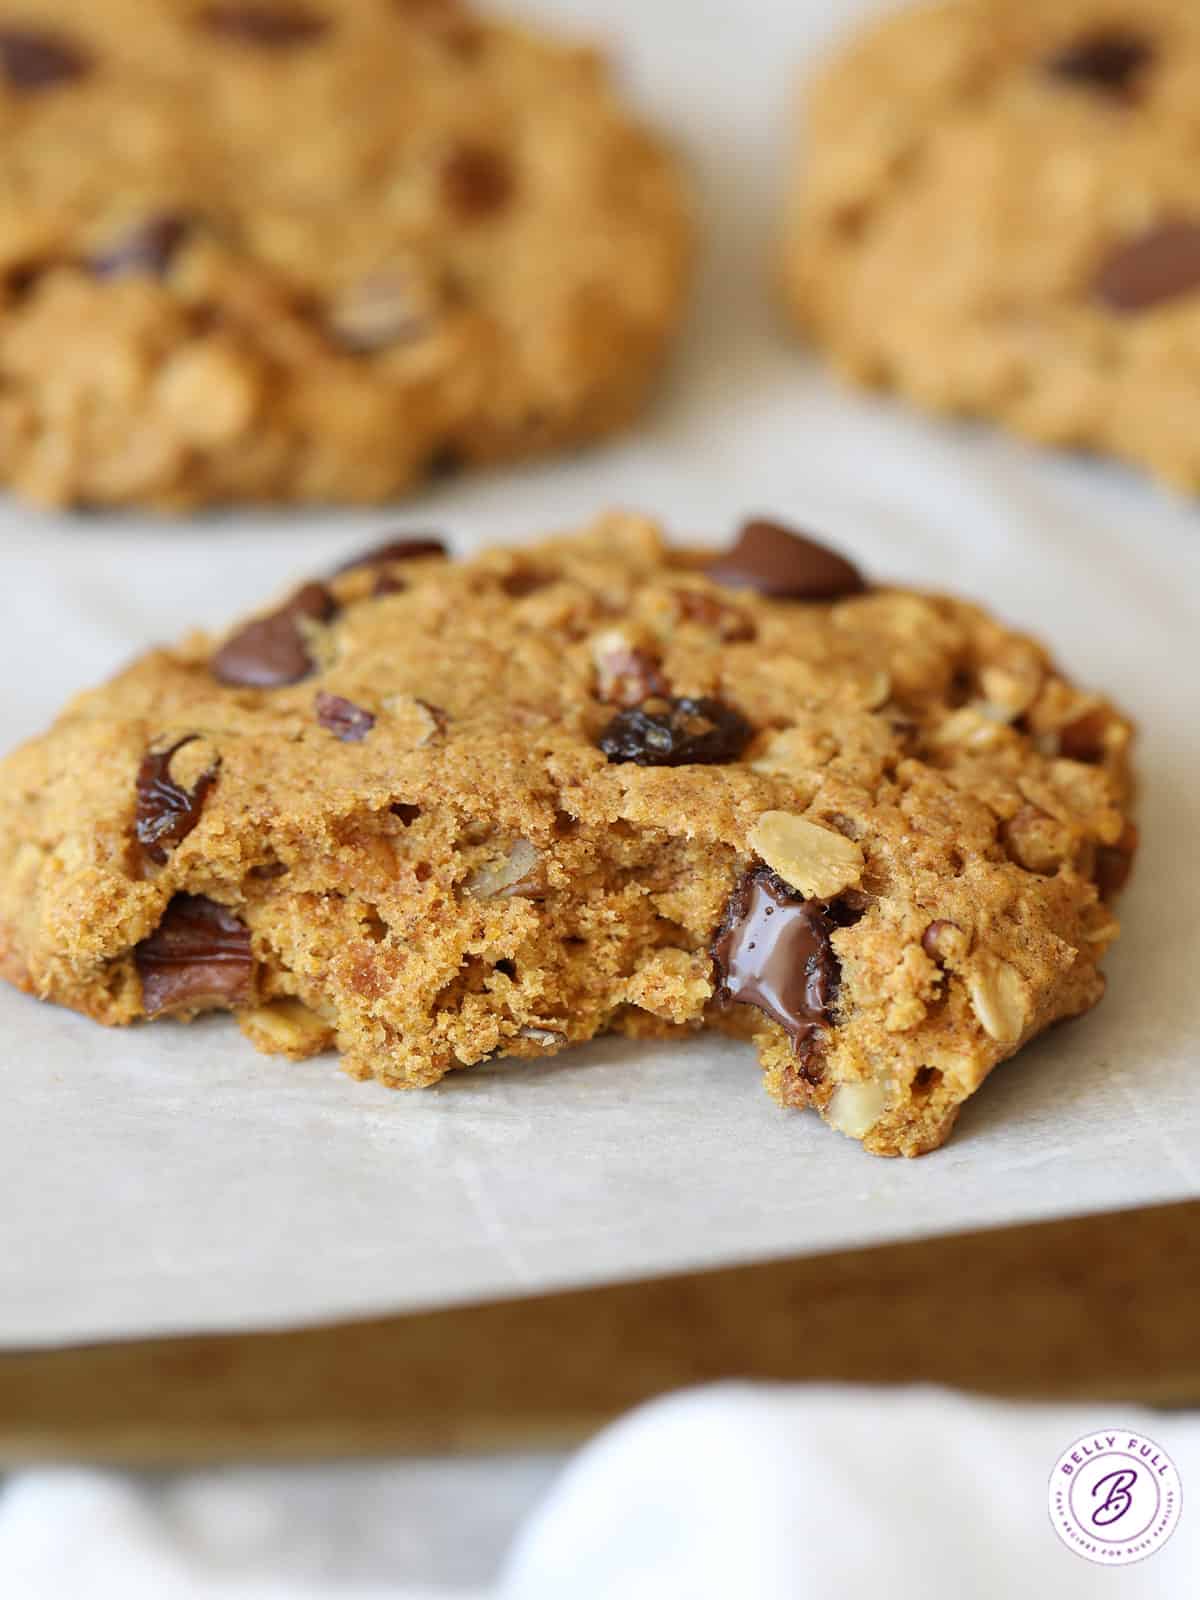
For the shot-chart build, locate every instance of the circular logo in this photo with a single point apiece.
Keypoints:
(1115, 1497)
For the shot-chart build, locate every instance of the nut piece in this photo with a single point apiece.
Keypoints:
(998, 998)
(210, 393)
(815, 861)
(944, 941)
(286, 1028)
(518, 872)
(855, 1108)
(874, 690)
(730, 623)
(544, 1038)
(1087, 737)
(626, 672)
(977, 725)
(1012, 688)
(395, 304)
(414, 723)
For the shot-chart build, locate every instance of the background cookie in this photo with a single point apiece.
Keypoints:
(1000, 215)
(314, 249)
(437, 812)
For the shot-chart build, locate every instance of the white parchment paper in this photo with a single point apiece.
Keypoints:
(169, 1178)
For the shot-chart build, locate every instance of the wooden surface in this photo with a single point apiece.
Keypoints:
(1099, 1308)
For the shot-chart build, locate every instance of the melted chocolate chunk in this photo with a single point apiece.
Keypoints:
(1108, 59)
(32, 60)
(166, 812)
(196, 959)
(272, 650)
(343, 718)
(476, 182)
(147, 248)
(773, 951)
(265, 27)
(1159, 265)
(417, 548)
(786, 565)
(676, 733)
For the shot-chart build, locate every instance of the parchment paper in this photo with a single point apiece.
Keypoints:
(169, 1178)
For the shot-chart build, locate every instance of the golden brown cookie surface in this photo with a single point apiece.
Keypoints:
(314, 250)
(434, 811)
(998, 215)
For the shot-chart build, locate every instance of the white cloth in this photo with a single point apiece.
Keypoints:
(735, 1492)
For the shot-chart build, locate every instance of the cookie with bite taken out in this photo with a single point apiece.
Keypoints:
(430, 811)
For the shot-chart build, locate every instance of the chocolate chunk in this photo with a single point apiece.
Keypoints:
(476, 182)
(166, 812)
(267, 27)
(773, 951)
(778, 562)
(1154, 267)
(273, 650)
(197, 958)
(32, 60)
(416, 548)
(1108, 59)
(343, 718)
(147, 248)
(676, 733)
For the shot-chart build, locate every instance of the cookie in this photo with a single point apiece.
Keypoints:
(435, 811)
(315, 250)
(999, 216)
